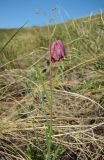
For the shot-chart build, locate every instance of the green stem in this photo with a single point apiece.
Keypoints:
(51, 92)
(50, 132)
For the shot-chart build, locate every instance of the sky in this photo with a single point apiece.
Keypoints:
(14, 13)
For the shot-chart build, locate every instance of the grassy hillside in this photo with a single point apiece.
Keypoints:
(77, 91)
(84, 36)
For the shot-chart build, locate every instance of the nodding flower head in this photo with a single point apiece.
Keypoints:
(57, 51)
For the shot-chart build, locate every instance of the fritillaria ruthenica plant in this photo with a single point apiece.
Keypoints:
(57, 51)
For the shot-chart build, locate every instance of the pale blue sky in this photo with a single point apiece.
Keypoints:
(14, 13)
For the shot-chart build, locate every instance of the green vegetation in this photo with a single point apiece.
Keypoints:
(77, 129)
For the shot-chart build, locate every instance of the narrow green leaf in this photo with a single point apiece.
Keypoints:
(18, 30)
